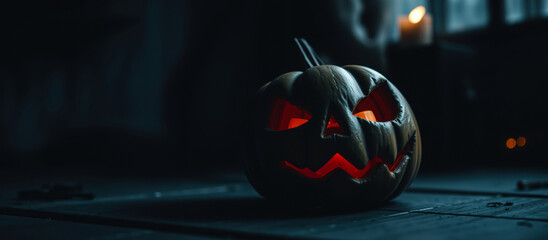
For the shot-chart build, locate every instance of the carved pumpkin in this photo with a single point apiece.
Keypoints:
(332, 135)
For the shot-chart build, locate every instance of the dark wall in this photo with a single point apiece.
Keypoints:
(473, 91)
(153, 84)
(84, 81)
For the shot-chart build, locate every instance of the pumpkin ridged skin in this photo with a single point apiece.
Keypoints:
(327, 91)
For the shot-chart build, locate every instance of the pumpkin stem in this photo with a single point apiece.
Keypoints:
(310, 56)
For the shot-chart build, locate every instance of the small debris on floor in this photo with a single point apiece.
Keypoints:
(498, 204)
(525, 224)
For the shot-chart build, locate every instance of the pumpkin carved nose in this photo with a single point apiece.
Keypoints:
(333, 127)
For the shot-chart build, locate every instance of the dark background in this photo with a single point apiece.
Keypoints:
(158, 87)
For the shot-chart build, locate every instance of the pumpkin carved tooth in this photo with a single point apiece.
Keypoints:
(339, 162)
(316, 163)
(332, 135)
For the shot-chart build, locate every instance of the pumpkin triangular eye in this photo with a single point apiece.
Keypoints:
(284, 115)
(379, 106)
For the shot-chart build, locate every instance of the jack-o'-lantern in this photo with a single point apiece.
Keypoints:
(332, 136)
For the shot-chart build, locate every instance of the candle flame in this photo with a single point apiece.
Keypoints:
(416, 14)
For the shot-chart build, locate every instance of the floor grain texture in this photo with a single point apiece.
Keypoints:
(447, 206)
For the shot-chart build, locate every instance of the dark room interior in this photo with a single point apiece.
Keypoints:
(138, 119)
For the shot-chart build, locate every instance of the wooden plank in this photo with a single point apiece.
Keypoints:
(239, 209)
(371, 225)
(487, 182)
(530, 209)
(410, 201)
(230, 206)
(424, 226)
(20, 228)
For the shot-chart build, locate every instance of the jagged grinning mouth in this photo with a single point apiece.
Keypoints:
(338, 161)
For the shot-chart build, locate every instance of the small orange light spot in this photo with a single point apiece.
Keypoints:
(511, 143)
(295, 122)
(333, 124)
(333, 127)
(367, 115)
(416, 14)
(521, 141)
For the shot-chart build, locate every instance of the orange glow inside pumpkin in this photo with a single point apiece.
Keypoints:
(285, 115)
(367, 115)
(295, 122)
(333, 127)
(378, 106)
(338, 161)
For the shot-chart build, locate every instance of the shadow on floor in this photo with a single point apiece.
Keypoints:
(208, 209)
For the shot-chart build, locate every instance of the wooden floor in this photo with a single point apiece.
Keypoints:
(464, 205)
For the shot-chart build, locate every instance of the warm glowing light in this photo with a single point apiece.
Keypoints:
(339, 162)
(295, 122)
(333, 127)
(416, 14)
(367, 115)
(284, 115)
(511, 143)
(521, 141)
(333, 124)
